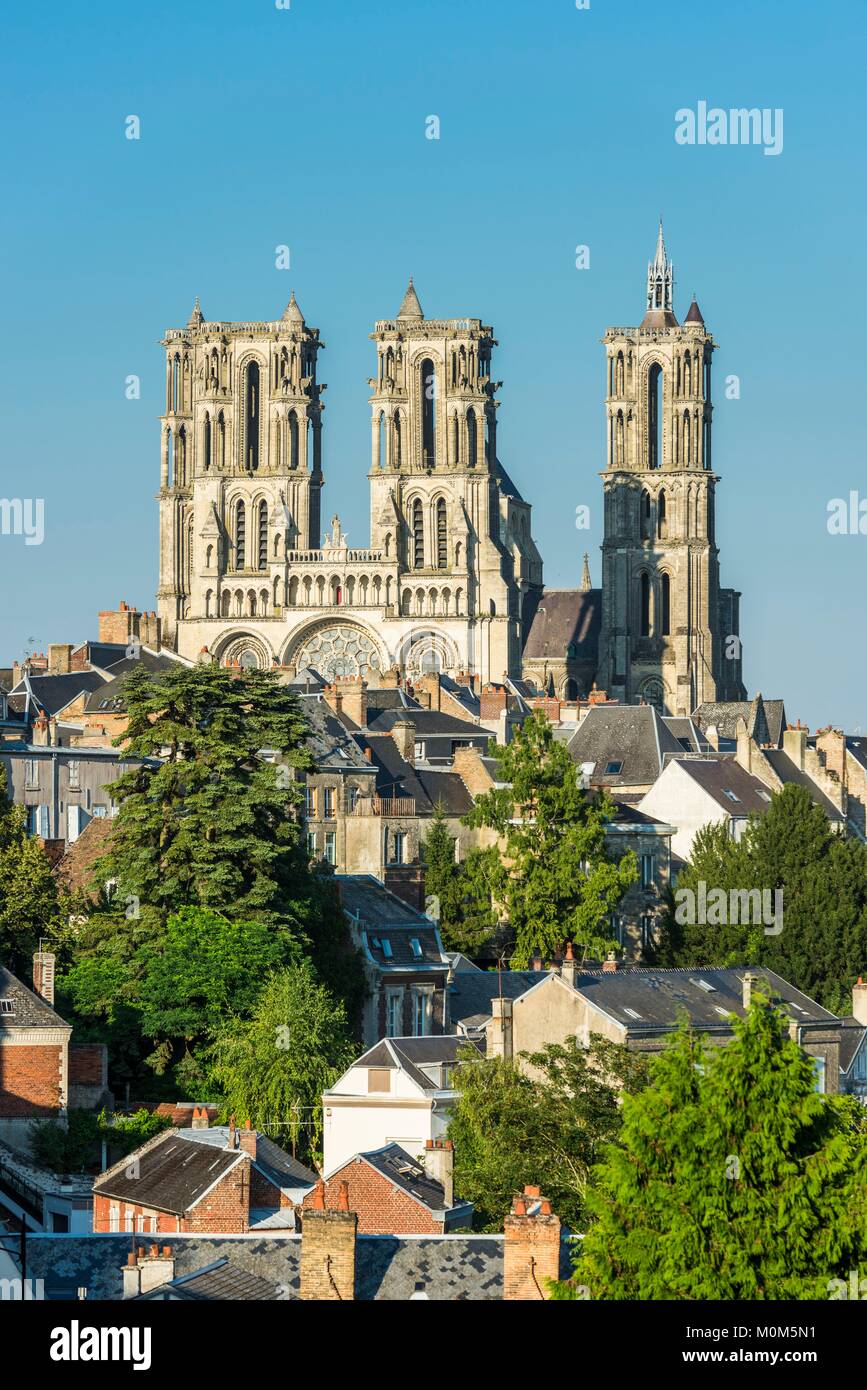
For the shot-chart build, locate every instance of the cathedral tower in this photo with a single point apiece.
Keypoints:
(241, 464)
(669, 632)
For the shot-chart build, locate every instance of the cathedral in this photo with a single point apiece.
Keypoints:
(452, 579)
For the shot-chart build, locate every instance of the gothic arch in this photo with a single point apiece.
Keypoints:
(246, 647)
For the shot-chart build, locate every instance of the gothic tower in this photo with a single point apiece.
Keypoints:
(441, 502)
(241, 465)
(669, 632)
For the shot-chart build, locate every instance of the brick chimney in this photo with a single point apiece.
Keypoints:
(231, 1142)
(467, 763)
(610, 965)
(795, 745)
(390, 679)
(43, 976)
(328, 1240)
(333, 696)
(42, 730)
(499, 1039)
(144, 1272)
(403, 733)
(430, 685)
(831, 743)
(531, 1250)
(859, 1001)
(200, 1118)
(247, 1140)
(355, 700)
(59, 658)
(439, 1162)
(569, 967)
(748, 984)
(493, 702)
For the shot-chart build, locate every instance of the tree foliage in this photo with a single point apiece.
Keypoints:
(30, 905)
(822, 947)
(556, 880)
(464, 890)
(511, 1127)
(273, 1068)
(732, 1178)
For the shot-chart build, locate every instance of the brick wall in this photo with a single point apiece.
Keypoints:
(88, 1064)
(224, 1211)
(531, 1251)
(31, 1080)
(381, 1207)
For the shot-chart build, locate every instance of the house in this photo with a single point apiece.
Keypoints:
(219, 1179)
(405, 965)
(329, 1260)
(649, 837)
(42, 1075)
(472, 992)
(396, 1194)
(62, 789)
(641, 1008)
(718, 721)
(624, 748)
(853, 1045)
(693, 792)
(399, 1091)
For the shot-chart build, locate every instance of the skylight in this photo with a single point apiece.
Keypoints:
(415, 946)
(704, 984)
(612, 769)
(631, 1012)
(727, 791)
(386, 948)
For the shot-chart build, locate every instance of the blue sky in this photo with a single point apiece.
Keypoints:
(306, 127)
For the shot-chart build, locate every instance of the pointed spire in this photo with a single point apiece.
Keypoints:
(693, 313)
(660, 287)
(196, 317)
(292, 314)
(586, 582)
(410, 308)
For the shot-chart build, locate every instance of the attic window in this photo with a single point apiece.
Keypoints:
(764, 796)
(376, 943)
(386, 948)
(613, 769)
(631, 1012)
(415, 946)
(378, 1079)
(705, 985)
(6, 1006)
(723, 1013)
(727, 791)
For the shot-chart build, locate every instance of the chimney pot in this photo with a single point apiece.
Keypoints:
(343, 1196)
(532, 1191)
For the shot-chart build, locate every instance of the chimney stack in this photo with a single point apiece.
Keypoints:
(499, 1038)
(569, 967)
(247, 1140)
(711, 734)
(859, 1002)
(439, 1162)
(610, 966)
(43, 976)
(328, 1240)
(144, 1272)
(200, 1118)
(795, 745)
(531, 1250)
(403, 733)
(60, 658)
(748, 984)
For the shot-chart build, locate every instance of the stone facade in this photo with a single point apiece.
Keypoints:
(669, 632)
(451, 570)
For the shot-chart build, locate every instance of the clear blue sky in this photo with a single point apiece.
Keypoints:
(262, 126)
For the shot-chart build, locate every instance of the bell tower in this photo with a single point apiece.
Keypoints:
(669, 632)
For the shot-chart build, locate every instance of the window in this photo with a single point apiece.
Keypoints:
(398, 848)
(311, 843)
(74, 775)
(647, 938)
(419, 752)
(654, 416)
(386, 948)
(442, 536)
(240, 535)
(819, 1068)
(727, 791)
(631, 1013)
(263, 535)
(422, 1012)
(251, 417)
(6, 1006)
(428, 385)
(310, 802)
(31, 774)
(648, 866)
(415, 947)
(703, 984)
(613, 769)
(330, 847)
(394, 1013)
(100, 811)
(328, 808)
(644, 605)
(665, 626)
(417, 535)
(378, 1079)
(114, 1217)
(128, 1215)
(353, 795)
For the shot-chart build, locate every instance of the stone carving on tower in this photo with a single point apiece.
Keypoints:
(451, 572)
(669, 633)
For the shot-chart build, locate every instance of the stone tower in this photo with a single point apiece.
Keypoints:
(669, 632)
(241, 463)
(451, 572)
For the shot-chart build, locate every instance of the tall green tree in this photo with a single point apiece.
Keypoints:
(556, 880)
(822, 876)
(463, 890)
(212, 824)
(272, 1069)
(546, 1126)
(732, 1179)
(30, 904)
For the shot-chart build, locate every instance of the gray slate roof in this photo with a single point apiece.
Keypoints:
(564, 617)
(471, 992)
(330, 745)
(660, 996)
(450, 1268)
(395, 1164)
(220, 1282)
(54, 693)
(719, 775)
(28, 1010)
(765, 719)
(277, 1166)
(633, 735)
(788, 771)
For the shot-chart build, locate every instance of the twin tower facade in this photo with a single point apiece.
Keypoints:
(452, 579)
